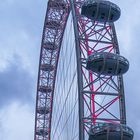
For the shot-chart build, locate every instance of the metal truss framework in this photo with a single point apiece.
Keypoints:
(92, 36)
(54, 26)
(97, 93)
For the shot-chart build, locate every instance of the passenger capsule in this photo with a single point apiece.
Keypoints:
(106, 63)
(106, 131)
(101, 10)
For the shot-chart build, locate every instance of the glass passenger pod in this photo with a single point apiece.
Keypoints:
(47, 67)
(109, 131)
(45, 89)
(106, 63)
(101, 10)
(41, 132)
(42, 110)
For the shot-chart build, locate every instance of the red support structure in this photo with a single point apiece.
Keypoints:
(98, 90)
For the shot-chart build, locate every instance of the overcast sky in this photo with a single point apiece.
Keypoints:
(21, 24)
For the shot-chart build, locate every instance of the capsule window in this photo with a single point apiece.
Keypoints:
(99, 68)
(93, 13)
(109, 68)
(102, 15)
(111, 17)
(119, 71)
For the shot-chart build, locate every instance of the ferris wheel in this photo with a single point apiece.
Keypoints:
(80, 91)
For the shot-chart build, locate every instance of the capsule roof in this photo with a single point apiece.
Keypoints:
(101, 10)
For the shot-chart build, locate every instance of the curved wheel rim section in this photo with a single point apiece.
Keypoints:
(54, 26)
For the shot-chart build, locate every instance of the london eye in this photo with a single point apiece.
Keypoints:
(80, 90)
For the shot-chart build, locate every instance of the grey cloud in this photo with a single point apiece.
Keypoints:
(16, 84)
(24, 15)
